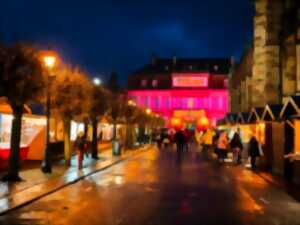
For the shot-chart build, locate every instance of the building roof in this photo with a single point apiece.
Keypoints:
(211, 65)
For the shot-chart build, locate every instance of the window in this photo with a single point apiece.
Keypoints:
(154, 83)
(167, 103)
(190, 103)
(155, 102)
(226, 83)
(146, 102)
(143, 83)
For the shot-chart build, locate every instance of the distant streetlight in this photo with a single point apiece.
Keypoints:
(97, 81)
(49, 62)
(148, 111)
(131, 102)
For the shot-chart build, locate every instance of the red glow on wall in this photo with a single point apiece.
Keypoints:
(189, 102)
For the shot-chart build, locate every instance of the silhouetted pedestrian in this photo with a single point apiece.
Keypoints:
(179, 139)
(236, 146)
(253, 151)
(80, 148)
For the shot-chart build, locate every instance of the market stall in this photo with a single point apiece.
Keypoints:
(274, 137)
(290, 114)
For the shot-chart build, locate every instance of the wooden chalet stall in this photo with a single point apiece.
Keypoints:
(290, 113)
(274, 138)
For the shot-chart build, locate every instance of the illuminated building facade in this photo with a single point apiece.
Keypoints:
(185, 92)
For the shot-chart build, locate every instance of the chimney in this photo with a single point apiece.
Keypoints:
(174, 59)
(153, 59)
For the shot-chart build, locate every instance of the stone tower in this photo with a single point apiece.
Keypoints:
(266, 81)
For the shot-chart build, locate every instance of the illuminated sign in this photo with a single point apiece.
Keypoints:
(190, 80)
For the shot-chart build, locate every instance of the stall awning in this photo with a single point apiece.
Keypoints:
(272, 112)
(255, 114)
(291, 108)
(5, 107)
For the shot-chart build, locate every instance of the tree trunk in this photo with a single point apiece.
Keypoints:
(94, 139)
(86, 128)
(129, 136)
(115, 143)
(114, 131)
(14, 154)
(67, 141)
(141, 134)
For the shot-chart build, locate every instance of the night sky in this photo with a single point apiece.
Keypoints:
(121, 35)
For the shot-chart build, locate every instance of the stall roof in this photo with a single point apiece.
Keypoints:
(255, 114)
(272, 112)
(221, 121)
(291, 108)
(231, 117)
(38, 109)
(242, 117)
(5, 107)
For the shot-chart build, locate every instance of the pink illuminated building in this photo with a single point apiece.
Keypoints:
(184, 90)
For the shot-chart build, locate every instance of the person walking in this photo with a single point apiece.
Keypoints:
(179, 139)
(253, 151)
(222, 146)
(236, 146)
(80, 148)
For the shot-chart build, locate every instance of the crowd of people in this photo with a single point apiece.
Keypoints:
(211, 141)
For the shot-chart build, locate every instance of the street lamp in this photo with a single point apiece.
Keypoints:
(49, 62)
(97, 81)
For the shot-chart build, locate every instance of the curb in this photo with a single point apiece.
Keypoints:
(5, 211)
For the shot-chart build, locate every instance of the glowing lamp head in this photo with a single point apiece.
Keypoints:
(49, 61)
(131, 102)
(203, 123)
(176, 123)
(148, 111)
(97, 81)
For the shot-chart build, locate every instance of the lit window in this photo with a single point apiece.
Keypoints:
(216, 67)
(144, 83)
(191, 67)
(154, 83)
(166, 67)
(226, 83)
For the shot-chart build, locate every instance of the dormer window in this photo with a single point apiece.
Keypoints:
(154, 83)
(143, 83)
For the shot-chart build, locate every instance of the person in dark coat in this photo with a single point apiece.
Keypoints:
(179, 139)
(253, 151)
(80, 144)
(236, 146)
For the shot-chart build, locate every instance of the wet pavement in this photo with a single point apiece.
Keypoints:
(160, 188)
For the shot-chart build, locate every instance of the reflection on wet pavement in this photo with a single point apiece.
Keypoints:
(157, 189)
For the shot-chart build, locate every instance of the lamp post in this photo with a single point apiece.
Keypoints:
(49, 62)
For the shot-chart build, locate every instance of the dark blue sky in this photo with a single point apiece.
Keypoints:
(121, 34)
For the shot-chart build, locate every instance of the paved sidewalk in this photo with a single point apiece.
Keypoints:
(37, 184)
